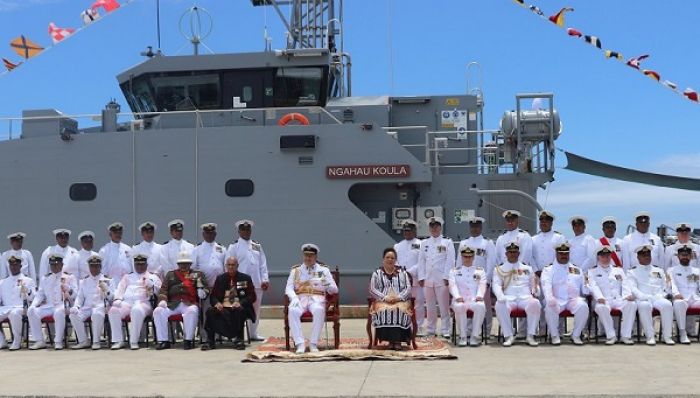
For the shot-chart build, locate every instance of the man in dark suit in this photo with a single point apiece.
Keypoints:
(232, 301)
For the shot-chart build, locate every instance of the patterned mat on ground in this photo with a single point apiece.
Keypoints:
(273, 350)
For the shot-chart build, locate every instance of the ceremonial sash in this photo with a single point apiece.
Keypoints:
(614, 256)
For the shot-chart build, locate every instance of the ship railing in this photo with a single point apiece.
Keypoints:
(134, 121)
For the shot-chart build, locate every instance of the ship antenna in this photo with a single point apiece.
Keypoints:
(158, 22)
(198, 31)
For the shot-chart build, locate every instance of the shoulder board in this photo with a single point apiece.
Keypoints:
(47, 275)
(85, 277)
(595, 267)
(235, 241)
(548, 265)
(255, 241)
(521, 230)
(323, 265)
(505, 232)
(199, 243)
(166, 242)
(296, 266)
(132, 272)
(67, 273)
(635, 267)
(479, 268)
(557, 232)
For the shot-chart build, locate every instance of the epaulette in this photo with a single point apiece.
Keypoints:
(635, 267)
(235, 241)
(557, 232)
(255, 241)
(480, 268)
(521, 230)
(296, 266)
(323, 265)
(47, 275)
(166, 242)
(132, 272)
(85, 277)
(67, 273)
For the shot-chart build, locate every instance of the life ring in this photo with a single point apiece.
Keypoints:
(284, 120)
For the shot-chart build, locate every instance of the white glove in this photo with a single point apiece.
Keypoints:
(149, 282)
(201, 294)
(116, 303)
(294, 302)
(74, 310)
(163, 304)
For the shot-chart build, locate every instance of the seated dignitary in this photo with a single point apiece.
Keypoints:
(648, 284)
(610, 290)
(16, 291)
(515, 287)
(307, 286)
(94, 295)
(132, 298)
(232, 301)
(179, 295)
(56, 293)
(684, 288)
(390, 286)
(563, 288)
(468, 286)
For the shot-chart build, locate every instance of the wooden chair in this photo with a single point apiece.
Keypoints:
(332, 313)
(372, 338)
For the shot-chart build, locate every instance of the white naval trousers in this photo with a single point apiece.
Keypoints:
(190, 314)
(97, 318)
(256, 307)
(419, 308)
(576, 306)
(680, 307)
(138, 311)
(34, 315)
(479, 310)
(14, 314)
(665, 308)
(441, 294)
(628, 309)
(316, 305)
(531, 306)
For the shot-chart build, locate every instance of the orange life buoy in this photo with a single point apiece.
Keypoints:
(284, 120)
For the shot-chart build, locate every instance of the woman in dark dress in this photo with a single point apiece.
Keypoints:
(390, 287)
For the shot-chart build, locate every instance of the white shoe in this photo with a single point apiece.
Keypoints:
(556, 340)
(118, 346)
(531, 341)
(462, 342)
(420, 332)
(651, 341)
(15, 346)
(134, 346)
(58, 346)
(257, 338)
(81, 346)
(509, 341)
(446, 336)
(627, 341)
(300, 349)
(96, 346)
(474, 341)
(669, 341)
(576, 340)
(684, 337)
(3, 345)
(313, 348)
(611, 341)
(37, 345)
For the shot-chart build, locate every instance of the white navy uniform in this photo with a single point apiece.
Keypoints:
(407, 252)
(28, 268)
(636, 239)
(67, 253)
(170, 252)
(469, 284)
(518, 236)
(685, 280)
(94, 294)
(50, 301)
(582, 251)
(543, 252)
(671, 255)
(132, 298)
(251, 261)
(484, 257)
(116, 260)
(153, 251)
(610, 283)
(563, 289)
(16, 291)
(79, 266)
(208, 258)
(648, 284)
(306, 289)
(514, 286)
(615, 243)
(435, 260)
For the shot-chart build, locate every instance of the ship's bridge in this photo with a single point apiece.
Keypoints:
(287, 78)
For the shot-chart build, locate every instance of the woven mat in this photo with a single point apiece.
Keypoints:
(273, 350)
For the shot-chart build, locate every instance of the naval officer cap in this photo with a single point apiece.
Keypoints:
(141, 258)
(602, 250)
(511, 214)
(16, 236)
(55, 258)
(436, 220)
(86, 234)
(684, 248)
(176, 224)
(467, 251)
(147, 226)
(309, 248)
(643, 249)
(14, 259)
(208, 227)
(94, 259)
(683, 226)
(476, 220)
(608, 220)
(642, 216)
(184, 257)
(563, 247)
(577, 220)
(513, 247)
(115, 226)
(61, 231)
(244, 224)
(546, 214)
(409, 225)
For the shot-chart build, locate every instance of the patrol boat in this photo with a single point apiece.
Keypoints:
(278, 137)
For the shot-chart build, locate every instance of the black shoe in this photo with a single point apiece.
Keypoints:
(240, 345)
(163, 345)
(188, 344)
(207, 346)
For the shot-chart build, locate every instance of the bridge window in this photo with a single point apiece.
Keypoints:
(299, 87)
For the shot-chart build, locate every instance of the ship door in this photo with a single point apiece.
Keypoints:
(248, 86)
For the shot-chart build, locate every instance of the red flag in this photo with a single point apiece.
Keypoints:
(57, 34)
(691, 94)
(108, 5)
(574, 32)
(558, 18)
(634, 62)
(652, 74)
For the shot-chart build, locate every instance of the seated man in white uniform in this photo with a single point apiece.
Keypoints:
(468, 287)
(94, 295)
(16, 292)
(685, 289)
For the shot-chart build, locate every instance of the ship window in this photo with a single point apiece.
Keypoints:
(184, 93)
(247, 94)
(239, 188)
(138, 94)
(298, 86)
(82, 192)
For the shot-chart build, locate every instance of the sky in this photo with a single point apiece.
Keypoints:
(610, 112)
